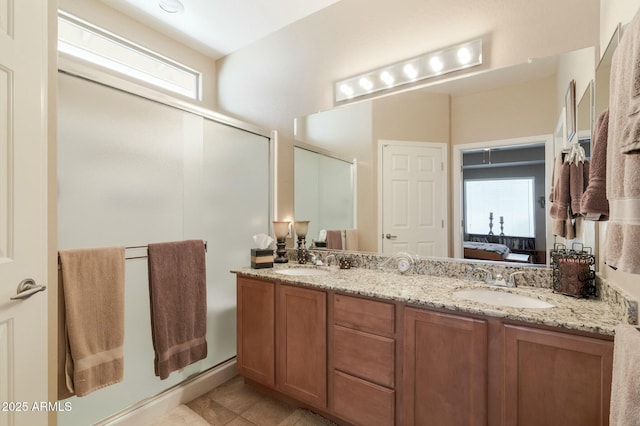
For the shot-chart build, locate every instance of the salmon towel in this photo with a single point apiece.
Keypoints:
(93, 295)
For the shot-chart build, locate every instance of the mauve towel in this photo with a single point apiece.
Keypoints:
(560, 196)
(334, 240)
(578, 181)
(595, 205)
(561, 192)
(93, 298)
(178, 293)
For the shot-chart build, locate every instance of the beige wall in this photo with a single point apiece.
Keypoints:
(509, 112)
(613, 12)
(105, 17)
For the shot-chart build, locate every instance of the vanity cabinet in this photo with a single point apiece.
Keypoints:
(445, 369)
(374, 362)
(282, 338)
(302, 344)
(362, 371)
(554, 378)
(256, 330)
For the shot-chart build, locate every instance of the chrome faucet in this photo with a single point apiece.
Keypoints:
(488, 278)
(329, 258)
(313, 258)
(499, 281)
(512, 281)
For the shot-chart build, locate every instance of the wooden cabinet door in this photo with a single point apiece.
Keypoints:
(445, 369)
(553, 378)
(256, 330)
(302, 344)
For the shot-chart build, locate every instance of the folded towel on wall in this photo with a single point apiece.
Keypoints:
(334, 240)
(625, 383)
(555, 175)
(622, 244)
(93, 298)
(351, 239)
(178, 293)
(595, 205)
(578, 180)
(561, 195)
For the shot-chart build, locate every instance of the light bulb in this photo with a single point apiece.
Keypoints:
(436, 64)
(464, 56)
(346, 90)
(387, 78)
(410, 71)
(365, 83)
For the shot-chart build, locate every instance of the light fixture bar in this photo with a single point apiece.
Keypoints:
(428, 65)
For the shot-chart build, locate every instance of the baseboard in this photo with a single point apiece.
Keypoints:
(150, 409)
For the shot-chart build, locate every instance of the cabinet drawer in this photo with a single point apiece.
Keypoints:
(361, 402)
(364, 355)
(363, 314)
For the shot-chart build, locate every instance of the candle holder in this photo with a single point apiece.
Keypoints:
(301, 227)
(501, 226)
(281, 230)
(490, 223)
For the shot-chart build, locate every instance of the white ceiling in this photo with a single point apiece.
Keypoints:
(220, 27)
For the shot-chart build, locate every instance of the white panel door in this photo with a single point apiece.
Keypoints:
(413, 198)
(23, 244)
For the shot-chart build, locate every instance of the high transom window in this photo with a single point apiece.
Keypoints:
(117, 56)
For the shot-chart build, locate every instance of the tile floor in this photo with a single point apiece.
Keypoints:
(235, 404)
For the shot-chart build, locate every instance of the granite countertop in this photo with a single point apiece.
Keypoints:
(590, 315)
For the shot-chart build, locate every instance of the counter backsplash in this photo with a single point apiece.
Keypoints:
(535, 276)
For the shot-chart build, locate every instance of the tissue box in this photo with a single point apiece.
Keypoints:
(261, 258)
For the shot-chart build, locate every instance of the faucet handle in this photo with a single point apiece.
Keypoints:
(488, 278)
(512, 281)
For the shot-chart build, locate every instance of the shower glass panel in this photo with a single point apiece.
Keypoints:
(133, 172)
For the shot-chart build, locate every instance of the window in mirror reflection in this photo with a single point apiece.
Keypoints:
(500, 206)
(507, 181)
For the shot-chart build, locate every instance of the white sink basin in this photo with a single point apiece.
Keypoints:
(502, 298)
(299, 272)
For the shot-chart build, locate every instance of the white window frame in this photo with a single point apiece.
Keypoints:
(121, 63)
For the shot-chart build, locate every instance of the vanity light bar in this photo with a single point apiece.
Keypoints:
(432, 64)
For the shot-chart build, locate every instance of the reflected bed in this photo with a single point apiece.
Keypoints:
(492, 251)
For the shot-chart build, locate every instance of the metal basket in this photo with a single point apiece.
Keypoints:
(573, 271)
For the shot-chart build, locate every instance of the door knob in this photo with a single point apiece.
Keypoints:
(27, 288)
(390, 237)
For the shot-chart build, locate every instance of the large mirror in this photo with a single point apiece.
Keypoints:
(491, 122)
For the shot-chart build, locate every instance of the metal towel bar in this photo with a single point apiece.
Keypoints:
(135, 257)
